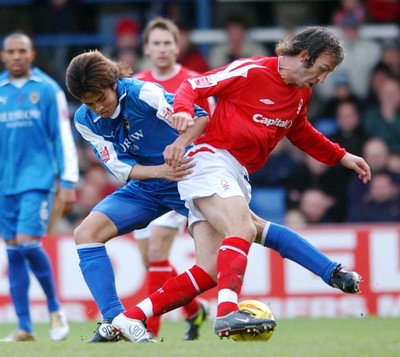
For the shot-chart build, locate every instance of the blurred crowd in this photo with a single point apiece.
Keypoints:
(358, 107)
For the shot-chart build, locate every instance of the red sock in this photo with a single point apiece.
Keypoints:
(176, 292)
(231, 267)
(159, 272)
(191, 308)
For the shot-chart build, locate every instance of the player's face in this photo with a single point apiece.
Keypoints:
(162, 49)
(18, 55)
(102, 103)
(306, 77)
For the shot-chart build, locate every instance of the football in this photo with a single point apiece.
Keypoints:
(258, 309)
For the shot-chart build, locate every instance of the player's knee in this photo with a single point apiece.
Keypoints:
(248, 232)
(83, 234)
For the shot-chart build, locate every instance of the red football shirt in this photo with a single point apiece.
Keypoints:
(172, 83)
(255, 110)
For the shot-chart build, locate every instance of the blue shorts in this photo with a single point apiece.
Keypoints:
(136, 204)
(26, 213)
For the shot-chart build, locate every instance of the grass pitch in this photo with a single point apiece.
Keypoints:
(362, 337)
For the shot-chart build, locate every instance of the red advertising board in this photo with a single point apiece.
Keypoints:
(289, 290)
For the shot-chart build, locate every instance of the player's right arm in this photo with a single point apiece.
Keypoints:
(224, 82)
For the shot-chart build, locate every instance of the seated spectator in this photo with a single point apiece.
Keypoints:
(379, 75)
(383, 121)
(127, 43)
(376, 154)
(350, 133)
(237, 44)
(381, 202)
(128, 55)
(313, 174)
(189, 54)
(316, 206)
(342, 91)
(362, 55)
(391, 56)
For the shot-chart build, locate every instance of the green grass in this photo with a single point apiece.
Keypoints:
(363, 337)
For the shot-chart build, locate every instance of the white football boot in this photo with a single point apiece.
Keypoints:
(59, 327)
(133, 330)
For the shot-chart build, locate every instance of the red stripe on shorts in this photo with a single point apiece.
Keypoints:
(206, 149)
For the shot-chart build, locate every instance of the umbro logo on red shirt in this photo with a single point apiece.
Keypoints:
(267, 101)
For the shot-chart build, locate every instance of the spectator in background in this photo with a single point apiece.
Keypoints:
(383, 121)
(350, 133)
(361, 57)
(391, 56)
(189, 54)
(237, 44)
(379, 75)
(351, 136)
(39, 163)
(381, 201)
(315, 205)
(311, 173)
(127, 42)
(376, 153)
(342, 92)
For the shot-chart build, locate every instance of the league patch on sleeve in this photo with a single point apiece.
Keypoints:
(166, 113)
(104, 154)
(202, 82)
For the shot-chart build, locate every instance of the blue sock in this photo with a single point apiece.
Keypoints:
(18, 276)
(40, 265)
(99, 276)
(291, 245)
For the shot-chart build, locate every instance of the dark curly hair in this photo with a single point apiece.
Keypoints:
(315, 40)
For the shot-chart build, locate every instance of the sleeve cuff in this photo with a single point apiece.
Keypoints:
(67, 184)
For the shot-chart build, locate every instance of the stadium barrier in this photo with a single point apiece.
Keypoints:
(289, 290)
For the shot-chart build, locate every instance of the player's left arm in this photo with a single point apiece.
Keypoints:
(67, 156)
(308, 139)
